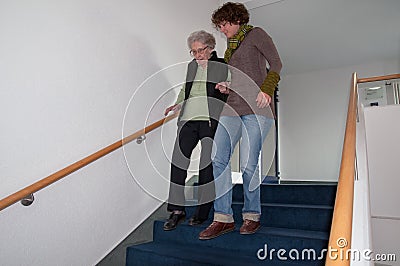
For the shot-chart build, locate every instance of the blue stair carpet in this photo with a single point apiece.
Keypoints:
(295, 221)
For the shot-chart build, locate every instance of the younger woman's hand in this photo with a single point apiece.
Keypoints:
(263, 100)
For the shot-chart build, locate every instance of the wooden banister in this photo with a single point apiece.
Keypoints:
(17, 196)
(379, 78)
(340, 236)
(341, 230)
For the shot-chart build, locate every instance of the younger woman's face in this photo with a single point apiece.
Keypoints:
(229, 29)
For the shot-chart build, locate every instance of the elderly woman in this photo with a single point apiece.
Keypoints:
(200, 105)
(246, 115)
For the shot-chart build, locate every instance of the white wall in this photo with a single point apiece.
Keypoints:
(312, 114)
(361, 238)
(67, 72)
(382, 134)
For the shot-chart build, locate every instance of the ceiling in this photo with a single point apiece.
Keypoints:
(321, 34)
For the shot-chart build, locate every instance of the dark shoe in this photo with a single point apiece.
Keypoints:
(173, 221)
(216, 229)
(249, 227)
(195, 221)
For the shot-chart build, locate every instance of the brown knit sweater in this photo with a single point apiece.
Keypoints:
(248, 68)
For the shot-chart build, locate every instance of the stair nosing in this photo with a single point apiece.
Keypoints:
(292, 205)
(275, 231)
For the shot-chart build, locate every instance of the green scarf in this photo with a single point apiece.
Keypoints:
(234, 42)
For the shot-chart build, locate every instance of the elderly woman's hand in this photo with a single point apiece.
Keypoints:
(174, 108)
(223, 87)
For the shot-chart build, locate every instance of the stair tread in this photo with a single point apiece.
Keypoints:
(190, 252)
(295, 233)
(214, 256)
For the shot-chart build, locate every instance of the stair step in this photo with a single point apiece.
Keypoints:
(294, 216)
(295, 219)
(319, 194)
(249, 244)
(161, 254)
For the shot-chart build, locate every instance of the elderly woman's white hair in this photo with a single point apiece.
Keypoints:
(203, 37)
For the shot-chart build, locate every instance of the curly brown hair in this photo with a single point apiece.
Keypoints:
(230, 12)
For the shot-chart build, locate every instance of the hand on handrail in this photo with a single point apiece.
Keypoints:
(174, 108)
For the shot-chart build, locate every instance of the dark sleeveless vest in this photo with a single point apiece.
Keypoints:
(217, 71)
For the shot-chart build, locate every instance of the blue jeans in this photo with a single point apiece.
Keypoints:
(253, 130)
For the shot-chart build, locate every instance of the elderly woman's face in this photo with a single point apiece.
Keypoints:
(200, 51)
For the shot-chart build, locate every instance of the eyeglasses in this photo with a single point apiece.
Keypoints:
(220, 26)
(198, 51)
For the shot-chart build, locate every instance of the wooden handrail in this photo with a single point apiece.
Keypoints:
(340, 236)
(379, 78)
(341, 230)
(19, 195)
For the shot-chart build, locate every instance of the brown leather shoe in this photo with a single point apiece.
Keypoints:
(216, 229)
(249, 227)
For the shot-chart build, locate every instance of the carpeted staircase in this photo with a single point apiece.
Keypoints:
(295, 229)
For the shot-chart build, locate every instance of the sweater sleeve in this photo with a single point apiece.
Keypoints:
(263, 42)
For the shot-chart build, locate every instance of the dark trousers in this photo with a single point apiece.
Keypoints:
(189, 134)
